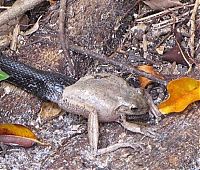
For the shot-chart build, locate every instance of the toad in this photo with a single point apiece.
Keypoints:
(99, 98)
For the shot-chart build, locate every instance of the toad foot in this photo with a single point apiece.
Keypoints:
(117, 146)
(137, 128)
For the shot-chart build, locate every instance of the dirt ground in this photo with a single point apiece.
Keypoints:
(102, 26)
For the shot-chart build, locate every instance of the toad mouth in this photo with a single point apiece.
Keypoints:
(139, 118)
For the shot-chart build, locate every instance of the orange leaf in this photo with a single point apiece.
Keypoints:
(52, 2)
(148, 69)
(182, 92)
(15, 134)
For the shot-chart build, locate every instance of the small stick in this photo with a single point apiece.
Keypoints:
(163, 13)
(170, 21)
(14, 42)
(5, 7)
(62, 35)
(17, 9)
(192, 28)
(189, 63)
(122, 65)
(145, 45)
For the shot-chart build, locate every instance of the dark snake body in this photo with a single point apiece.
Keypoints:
(43, 84)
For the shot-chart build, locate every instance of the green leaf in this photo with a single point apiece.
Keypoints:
(3, 75)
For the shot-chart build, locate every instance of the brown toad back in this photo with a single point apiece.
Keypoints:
(106, 94)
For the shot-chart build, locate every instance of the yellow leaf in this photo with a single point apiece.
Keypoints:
(15, 134)
(182, 92)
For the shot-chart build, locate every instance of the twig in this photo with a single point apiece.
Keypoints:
(163, 12)
(122, 65)
(170, 21)
(192, 28)
(145, 45)
(189, 63)
(14, 42)
(17, 9)
(5, 7)
(62, 35)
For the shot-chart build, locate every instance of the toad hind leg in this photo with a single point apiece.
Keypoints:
(93, 130)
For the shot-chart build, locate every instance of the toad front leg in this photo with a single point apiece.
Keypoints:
(75, 106)
(93, 130)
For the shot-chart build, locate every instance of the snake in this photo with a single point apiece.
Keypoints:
(46, 85)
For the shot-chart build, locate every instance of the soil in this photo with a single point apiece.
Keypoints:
(104, 27)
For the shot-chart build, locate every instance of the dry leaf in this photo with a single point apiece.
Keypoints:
(19, 135)
(162, 4)
(148, 69)
(182, 92)
(49, 110)
(175, 55)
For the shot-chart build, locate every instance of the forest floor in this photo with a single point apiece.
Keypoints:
(131, 32)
